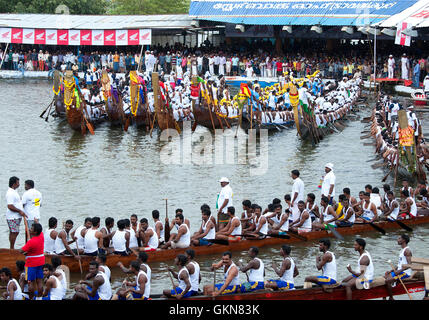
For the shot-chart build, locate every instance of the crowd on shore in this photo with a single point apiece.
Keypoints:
(298, 215)
(259, 61)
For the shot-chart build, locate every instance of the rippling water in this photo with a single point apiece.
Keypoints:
(117, 174)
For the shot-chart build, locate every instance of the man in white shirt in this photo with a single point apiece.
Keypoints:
(328, 184)
(405, 67)
(390, 67)
(223, 202)
(297, 194)
(14, 211)
(31, 201)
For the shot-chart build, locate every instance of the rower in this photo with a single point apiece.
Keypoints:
(287, 199)
(77, 236)
(273, 214)
(260, 225)
(121, 239)
(101, 260)
(139, 289)
(13, 290)
(247, 215)
(207, 207)
(93, 239)
(402, 271)
(53, 287)
(406, 186)
(327, 263)
(63, 241)
(133, 236)
(34, 260)
(365, 269)
(194, 271)
(183, 290)
(423, 206)
(99, 289)
(175, 225)
(106, 231)
(287, 271)
(303, 223)
(183, 237)
(59, 272)
(206, 232)
(135, 227)
(376, 199)
(159, 227)
(353, 203)
(51, 236)
(347, 213)
(148, 236)
(142, 259)
(392, 208)
(231, 283)
(369, 210)
(408, 207)
(312, 207)
(232, 232)
(23, 283)
(255, 279)
(282, 226)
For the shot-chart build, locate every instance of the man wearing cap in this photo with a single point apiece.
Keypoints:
(328, 184)
(223, 202)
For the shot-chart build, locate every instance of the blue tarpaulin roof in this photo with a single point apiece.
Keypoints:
(297, 12)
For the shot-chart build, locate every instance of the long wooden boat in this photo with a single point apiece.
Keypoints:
(140, 114)
(317, 293)
(9, 257)
(74, 111)
(60, 109)
(113, 103)
(210, 119)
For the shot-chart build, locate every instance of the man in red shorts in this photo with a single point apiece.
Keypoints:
(34, 260)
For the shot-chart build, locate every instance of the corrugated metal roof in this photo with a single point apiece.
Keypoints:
(297, 12)
(417, 15)
(59, 21)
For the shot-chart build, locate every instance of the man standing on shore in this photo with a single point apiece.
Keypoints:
(14, 211)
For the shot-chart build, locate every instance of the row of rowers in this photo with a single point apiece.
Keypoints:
(254, 223)
(97, 283)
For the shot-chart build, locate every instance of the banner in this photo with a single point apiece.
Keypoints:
(74, 37)
(402, 39)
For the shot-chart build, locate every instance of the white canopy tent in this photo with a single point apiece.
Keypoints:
(417, 15)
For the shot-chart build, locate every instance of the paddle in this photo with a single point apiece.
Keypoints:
(374, 226)
(296, 235)
(78, 256)
(219, 241)
(385, 177)
(281, 236)
(166, 225)
(214, 282)
(365, 136)
(378, 165)
(43, 113)
(172, 282)
(406, 290)
(335, 232)
(403, 225)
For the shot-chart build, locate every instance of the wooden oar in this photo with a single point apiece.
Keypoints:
(385, 177)
(296, 235)
(214, 283)
(172, 282)
(219, 241)
(27, 231)
(43, 113)
(335, 232)
(166, 225)
(406, 290)
(281, 236)
(78, 256)
(404, 226)
(378, 165)
(365, 136)
(374, 226)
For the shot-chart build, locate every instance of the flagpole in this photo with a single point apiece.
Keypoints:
(375, 59)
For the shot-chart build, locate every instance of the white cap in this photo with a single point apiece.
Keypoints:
(329, 165)
(224, 179)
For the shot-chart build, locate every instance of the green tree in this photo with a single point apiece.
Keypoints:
(49, 6)
(131, 7)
